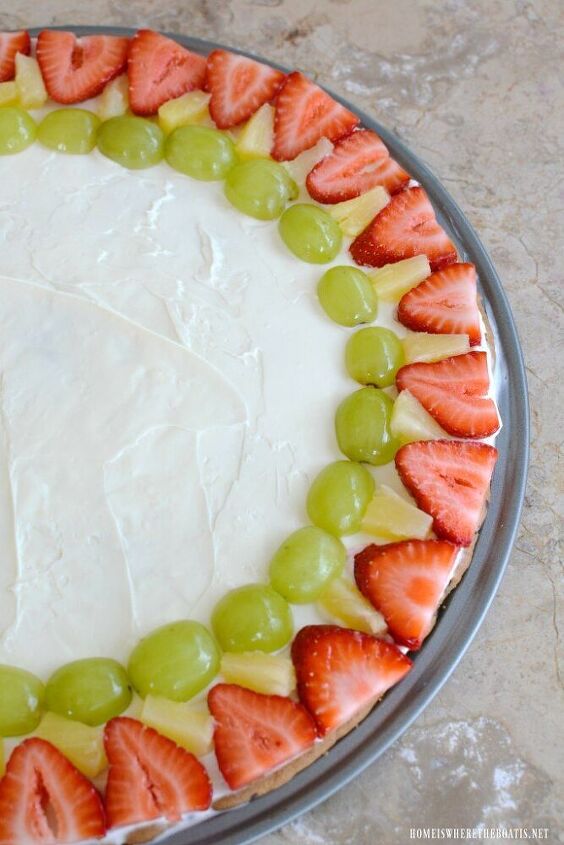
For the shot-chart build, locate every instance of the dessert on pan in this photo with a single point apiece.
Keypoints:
(247, 421)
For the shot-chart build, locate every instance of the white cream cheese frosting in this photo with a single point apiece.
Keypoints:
(169, 385)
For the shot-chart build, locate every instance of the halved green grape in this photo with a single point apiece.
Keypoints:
(176, 661)
(310, 233)
(253, 617)
(347, 296)
(200, 152)
(339, 496)
(69, 131)
(21, 701)
(133, 142)
(91, 691)
(17, 130)
(362, 425)
(260, 188)
(305, 563)
(374, 355)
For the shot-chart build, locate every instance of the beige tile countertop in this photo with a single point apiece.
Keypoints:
(473, 87)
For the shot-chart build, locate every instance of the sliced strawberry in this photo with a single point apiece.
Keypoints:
(254, 733)
(340, 671)
(304, 114)
(405, 227)
(10, 44)
(449, 479)
(150, 776)
(453, 392)
(238, 86)
(405, 582)
(358, 163)
(445, 303)
(75, 69)
(44, 799)
(159, 69)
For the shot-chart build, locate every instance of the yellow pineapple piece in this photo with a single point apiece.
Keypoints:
(342, 601)
(32, 93)
(83, 745)
(410, 421)
(420, 346)
(190, 108)
(189, 725)
(114, 99)
(257, 135)
(392, 517)
(135, 707)
(353, 216)
(266, 673)
(8, 93)
(393, 280)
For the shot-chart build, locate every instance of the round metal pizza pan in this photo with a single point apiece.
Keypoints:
(466, 606)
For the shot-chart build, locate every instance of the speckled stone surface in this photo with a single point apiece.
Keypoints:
(473, 87)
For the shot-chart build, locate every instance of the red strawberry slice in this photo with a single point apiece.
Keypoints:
(159, 69)
(304, 114)
(238, 86)
(10, 44)
(44, 799)
(150, 777)
(404, 228)
(405, 582)
(75, 69)
(452, 391)
(358, 163)
(254, 733)
(340, 671)
(449, 479)
(445, 303)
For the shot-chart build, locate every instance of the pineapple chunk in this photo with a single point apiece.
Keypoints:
(114, 99)
(353, 216)
(189, 725)
(342, 601)
(410, 421)
(257, 136)
(391, 516)
(8, 93)
(299, 167)
(420, 346)
(266, 673)
(190, 108)
(135, 707)
(393, 280)
(32, 93)
(83, 745)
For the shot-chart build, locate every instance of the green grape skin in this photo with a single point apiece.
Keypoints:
(91, 691)
(17, 130)
(69, 131)
(252, 618)
(260, 188)
(310, 233)
(374, 355)
(21, 701)
(305, 563)
(338, 497)
(200, 152)
(347, 296)
(133, 142)
(362, 425)
(175, 661)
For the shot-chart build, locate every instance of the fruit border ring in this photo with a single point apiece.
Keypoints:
(466, 607)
